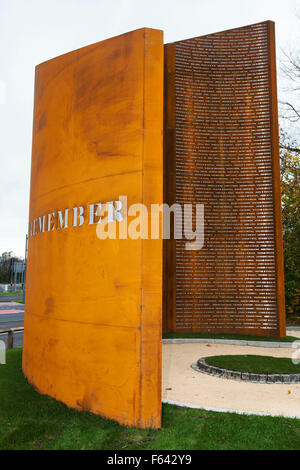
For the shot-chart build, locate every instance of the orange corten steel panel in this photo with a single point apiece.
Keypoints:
(93, 307)
(221, 150)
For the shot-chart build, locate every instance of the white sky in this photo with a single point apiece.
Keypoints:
(32, 31)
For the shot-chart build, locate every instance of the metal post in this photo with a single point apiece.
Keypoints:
(15, 275)
(10, 339)
(24, 274)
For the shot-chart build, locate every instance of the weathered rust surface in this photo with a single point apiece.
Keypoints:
(93, 307)
(221, 150)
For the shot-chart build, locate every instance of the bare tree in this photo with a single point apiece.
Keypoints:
(290, 69)
(290, 178)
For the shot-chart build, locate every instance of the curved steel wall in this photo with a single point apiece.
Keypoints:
(223, 144)
(92, 334)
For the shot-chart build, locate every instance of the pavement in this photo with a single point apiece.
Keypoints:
(10, 298)
(185, 386)
(12, 316)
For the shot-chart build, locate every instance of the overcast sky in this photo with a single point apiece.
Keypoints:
(32, 31)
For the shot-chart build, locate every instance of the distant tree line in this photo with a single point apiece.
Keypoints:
(7, 260)
(290, 182)
(290, 188)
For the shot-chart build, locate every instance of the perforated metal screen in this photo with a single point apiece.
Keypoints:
(221, 150)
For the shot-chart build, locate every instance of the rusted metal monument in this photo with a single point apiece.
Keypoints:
(192, 121)
(221, 149)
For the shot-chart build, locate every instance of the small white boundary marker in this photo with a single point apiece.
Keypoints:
(222, 410)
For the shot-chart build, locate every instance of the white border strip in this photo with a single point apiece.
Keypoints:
(223, 410)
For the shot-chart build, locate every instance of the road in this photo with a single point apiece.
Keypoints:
(10, 297)
(12, 316)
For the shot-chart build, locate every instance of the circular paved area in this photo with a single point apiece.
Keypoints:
(182, 384)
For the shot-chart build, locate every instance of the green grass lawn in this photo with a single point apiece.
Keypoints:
(287, 339)
(255, 364)
(29, 420)
(19, 301)
(11, 293)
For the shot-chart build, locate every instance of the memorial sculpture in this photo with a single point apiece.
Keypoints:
(131, 119)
